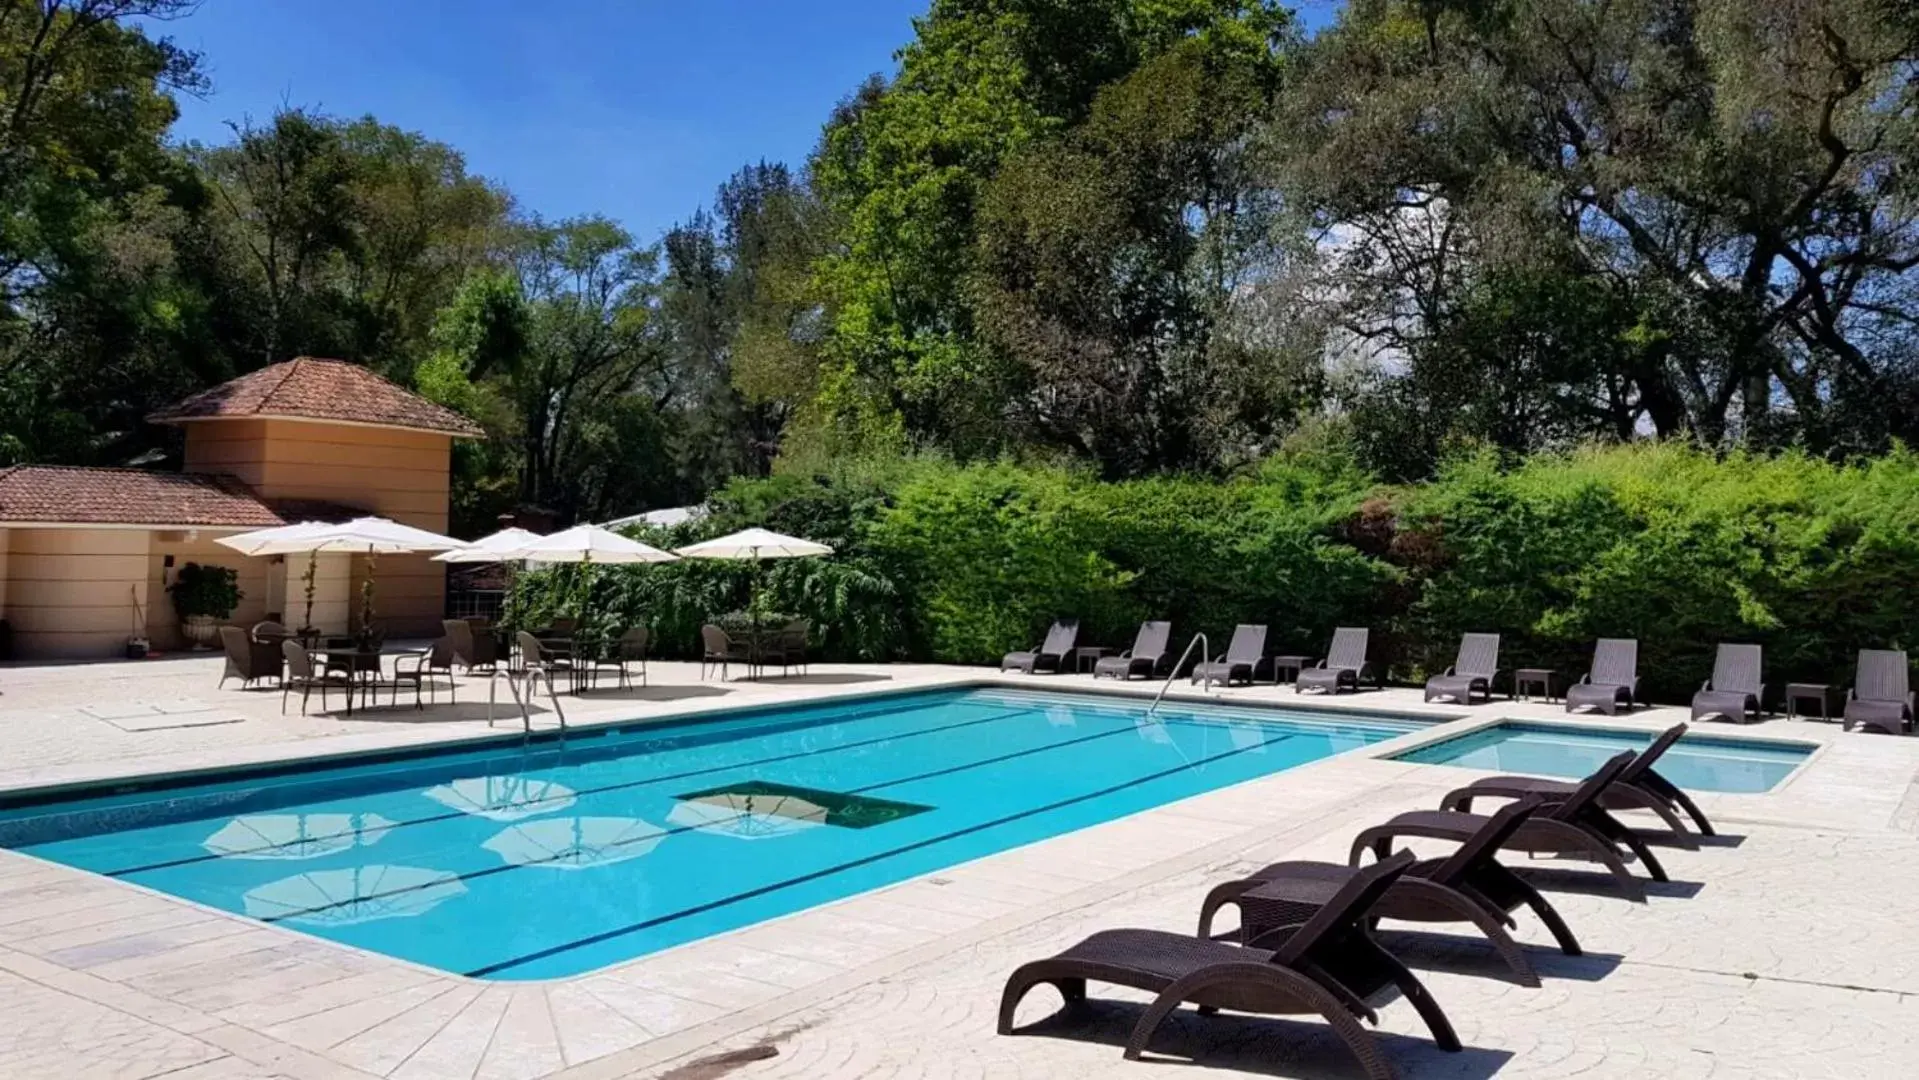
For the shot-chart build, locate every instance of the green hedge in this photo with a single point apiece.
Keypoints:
(1678, 548)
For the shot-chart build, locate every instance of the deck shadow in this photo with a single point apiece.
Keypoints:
(833, 678)
(1258, 1045)
(657, 693)
(1465, 953)
(1600, 883)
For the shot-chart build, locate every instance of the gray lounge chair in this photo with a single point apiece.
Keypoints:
(1049, 655)
(1578, 826)
(1344, 666)
(1638, 787)
(1612, 683)
(1881, 698)
(1147, 657)
(1328, 965)
(1468, 886)
(1736, 691)
(1472, 673)
(1243, 656)
(248, 660)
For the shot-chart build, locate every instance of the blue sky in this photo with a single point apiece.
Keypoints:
(633, 108)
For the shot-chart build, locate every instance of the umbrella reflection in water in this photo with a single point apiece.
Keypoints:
(295, 836)
(747, 816)
(575, 843)
(359, 895)
(502, 798)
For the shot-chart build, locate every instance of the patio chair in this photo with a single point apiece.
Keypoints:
(1472, 672)
(471, 650)
(631, 649)
(538, 660)
(1049, 655)
(1344, 666)
(786, 646)
(247, 660)
(1578, 825)
(1639, 786)
(1735, 691)
(719, 650)
(1147, 656)
(1469, 886)
(301, 675)
(1613, 681)
(422, 669)
(1328, 965)
(1881, 696)
(270, 632)
(1243, 656)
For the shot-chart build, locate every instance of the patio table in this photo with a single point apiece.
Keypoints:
(363, 668)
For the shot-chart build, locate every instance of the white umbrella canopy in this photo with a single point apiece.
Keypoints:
(754, 544)
(270, 541)
(295, 836)
(499, 547)
(590, 543)
(502, 798)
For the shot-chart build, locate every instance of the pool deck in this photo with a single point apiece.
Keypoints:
(1786, 951)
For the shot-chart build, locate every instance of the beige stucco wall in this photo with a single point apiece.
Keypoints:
(71, 592)
(6, 541)
(403, 475)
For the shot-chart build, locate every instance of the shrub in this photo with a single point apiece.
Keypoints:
(205, 590)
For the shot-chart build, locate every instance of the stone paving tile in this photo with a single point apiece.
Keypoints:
(59, 1037)
(1771, 958)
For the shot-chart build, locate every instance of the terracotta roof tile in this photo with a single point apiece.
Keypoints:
(70, 495)
(314, 389)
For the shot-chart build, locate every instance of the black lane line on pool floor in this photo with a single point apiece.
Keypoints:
(652, 838)
(453, 815)
(802, 879)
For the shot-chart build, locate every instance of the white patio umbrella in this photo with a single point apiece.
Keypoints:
(499, 547)
(273, 542)
(591, 544)
(369, 536)
(753, 545)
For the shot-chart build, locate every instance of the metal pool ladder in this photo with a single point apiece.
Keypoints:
(1205, 660)
(525, 702)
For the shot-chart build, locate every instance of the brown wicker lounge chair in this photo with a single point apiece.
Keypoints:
(1472, 672)
(631, 649)
(1147, 657)
(1328, 965)
(1637, 787)
(1613, 681)
(1468, 886)
(1881, 697)
(1243, 656)
(247, 660)
(1049, 655)
(1736, 691)
(1579, 825)
(1344, 666)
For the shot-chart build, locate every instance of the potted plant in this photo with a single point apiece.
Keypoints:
(203, 596)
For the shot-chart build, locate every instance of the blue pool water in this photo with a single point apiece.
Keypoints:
(1696, 762)
(548, 858)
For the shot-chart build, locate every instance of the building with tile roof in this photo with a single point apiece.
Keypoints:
(86, 553)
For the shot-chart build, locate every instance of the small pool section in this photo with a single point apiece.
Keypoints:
(1695, 762)
(544, 858)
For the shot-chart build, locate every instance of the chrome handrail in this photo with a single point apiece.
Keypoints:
(1205, 661)
(525, 702)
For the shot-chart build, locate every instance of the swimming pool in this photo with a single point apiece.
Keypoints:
(546, 858)
(1695, 762)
